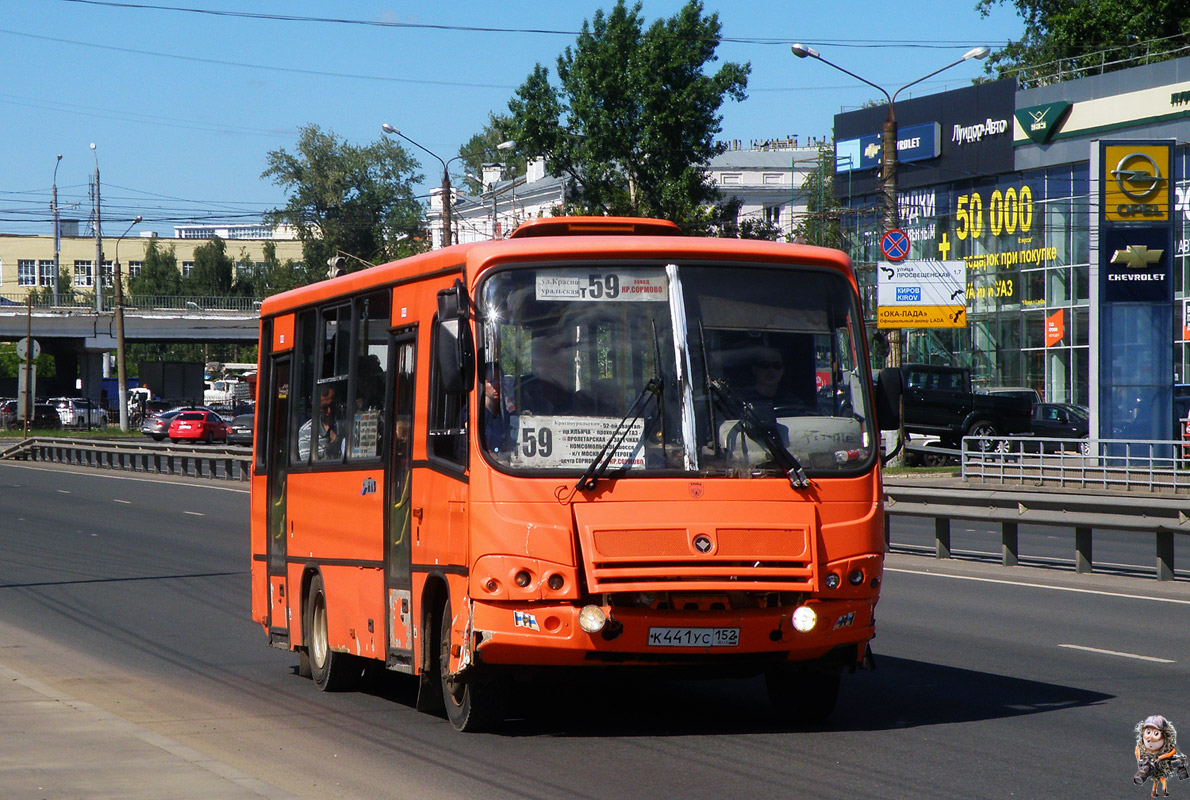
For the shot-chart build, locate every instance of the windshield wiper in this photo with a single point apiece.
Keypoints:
(603, 459)
(758, 430)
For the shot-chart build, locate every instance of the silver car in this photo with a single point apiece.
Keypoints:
(79, 412)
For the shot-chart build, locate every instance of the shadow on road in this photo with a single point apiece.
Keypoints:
(901, 693)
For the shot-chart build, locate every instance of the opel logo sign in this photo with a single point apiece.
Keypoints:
(1138, 176)
(703, 543)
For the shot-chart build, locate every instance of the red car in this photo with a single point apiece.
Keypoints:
(204, 426)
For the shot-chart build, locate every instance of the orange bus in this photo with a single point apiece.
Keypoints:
(597, 443)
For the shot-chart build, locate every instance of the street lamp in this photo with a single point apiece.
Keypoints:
(121, 372)
(57, 229)
(446, 192)
(447, 196)
(888, 161)
(97, 273)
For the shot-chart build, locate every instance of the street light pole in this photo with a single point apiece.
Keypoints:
(121, 370)
(447, 196)
(447, 200)
(888, 159)
(57, 229)
(97, 272)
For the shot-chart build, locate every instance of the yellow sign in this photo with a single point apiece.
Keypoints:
(1136, 182)
(921, 317)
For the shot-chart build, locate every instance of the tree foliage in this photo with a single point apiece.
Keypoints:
(821, 225)
(213, 270)
(632, 123)
(348, 198)
(159, 274)
(1071, 38)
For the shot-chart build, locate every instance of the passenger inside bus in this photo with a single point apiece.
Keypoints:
(327, 443)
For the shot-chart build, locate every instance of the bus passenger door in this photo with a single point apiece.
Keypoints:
(398, 579)
(277, 517)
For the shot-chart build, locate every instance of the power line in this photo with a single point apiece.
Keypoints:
(876, 43)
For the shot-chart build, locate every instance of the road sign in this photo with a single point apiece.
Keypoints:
(895, 245)
(921, 294)
(23, 348)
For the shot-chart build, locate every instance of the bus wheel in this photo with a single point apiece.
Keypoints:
(473, 703)
(801, 694)
(331, 671)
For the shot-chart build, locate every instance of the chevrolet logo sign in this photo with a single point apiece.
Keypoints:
(872, 150)
(1136, 256)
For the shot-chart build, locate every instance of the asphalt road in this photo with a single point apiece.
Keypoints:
(130, 596)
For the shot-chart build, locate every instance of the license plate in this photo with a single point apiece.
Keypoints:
(694, 637)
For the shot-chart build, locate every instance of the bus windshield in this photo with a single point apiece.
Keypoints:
(711, 369)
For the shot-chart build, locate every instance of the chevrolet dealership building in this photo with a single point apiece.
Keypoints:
(1071, 225)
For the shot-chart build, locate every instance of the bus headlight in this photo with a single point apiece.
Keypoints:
(592, 619)
(804, 619)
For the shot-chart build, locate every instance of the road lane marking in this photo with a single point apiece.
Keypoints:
(1077, 590)
(125, 502)
(194, 513)
(1118, 653)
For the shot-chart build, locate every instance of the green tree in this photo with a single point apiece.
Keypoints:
(274, 276)
(1072, 38)
(343, 197)
(821, 223)
(481, 149)
(633, 122)
(212, 272)
(159, 274)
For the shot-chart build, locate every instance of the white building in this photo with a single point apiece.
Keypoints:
(766, 179)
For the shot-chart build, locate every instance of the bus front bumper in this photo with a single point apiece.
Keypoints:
(550, 635)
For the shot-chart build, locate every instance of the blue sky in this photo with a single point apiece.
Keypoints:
(184, 106)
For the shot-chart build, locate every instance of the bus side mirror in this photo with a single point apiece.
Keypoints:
(455, 346)
(889, 386)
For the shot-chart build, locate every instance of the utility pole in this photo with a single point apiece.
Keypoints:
(57, 229)
(97, 271)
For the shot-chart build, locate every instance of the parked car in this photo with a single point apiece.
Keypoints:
(1061, 421)
(938, 401)
(203, 426)
(241, 428)
(157, 425)
(1032, 395)
(8, 411)
(45, 417)
(79, 412)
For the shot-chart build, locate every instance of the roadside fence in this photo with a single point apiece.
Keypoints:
(195, 461)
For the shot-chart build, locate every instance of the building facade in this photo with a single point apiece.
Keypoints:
(1006, 181)
(27, 262)
(765, 179)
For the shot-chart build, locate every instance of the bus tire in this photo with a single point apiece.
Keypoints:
(475, 702)
(331, 671)
(803, 695)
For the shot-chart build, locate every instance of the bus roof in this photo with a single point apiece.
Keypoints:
(559, 238)
(586, 226)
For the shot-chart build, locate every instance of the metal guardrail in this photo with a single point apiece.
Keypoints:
(206, 461)
(1163, 517)
(85, 302)
(1147, 464)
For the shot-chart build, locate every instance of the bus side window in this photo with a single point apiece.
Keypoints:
(301, 384)
(448, 416)
(369, 377)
